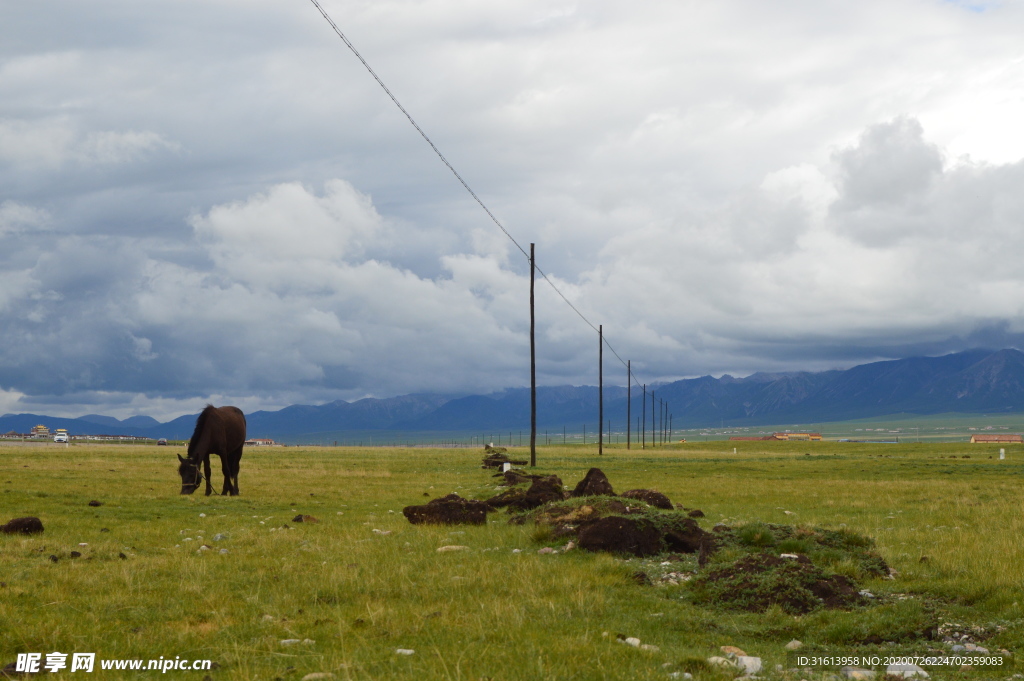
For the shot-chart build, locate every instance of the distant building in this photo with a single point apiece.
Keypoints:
(997, 439)
(260, 442)
(747, 438)
(40, 431)
(797, 436)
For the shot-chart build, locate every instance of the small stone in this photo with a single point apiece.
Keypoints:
(857, 674)
(219, 536)
(794, 645)
(290, 641)
(308, 642)
(749, 664)
(76, 554)
(268, 618)
(83, 543)
(452, 547)
(649, 648)
(723, 662)
(732, 650)
(570, 546)
(790, 556)
(95, 503)
(305, 519)
(404, 651)
(546, 550)
(632, 641)
(223, 551)
(202, 515)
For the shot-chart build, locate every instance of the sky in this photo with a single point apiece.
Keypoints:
(214, 201)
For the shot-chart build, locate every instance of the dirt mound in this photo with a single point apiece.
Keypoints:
(685, 536)
(516, 478)
(651, 497)
(544, 490)
(515, 496)
(616, 534)
(27, 525)
(755, 582)
(449, 510)
(594, 483)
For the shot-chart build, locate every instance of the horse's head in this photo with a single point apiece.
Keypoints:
(190, 475)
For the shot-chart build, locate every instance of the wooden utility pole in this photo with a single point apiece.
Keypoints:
(600, 389)
(533, 367)
(654, 422)
(643, 420)
(629, 402)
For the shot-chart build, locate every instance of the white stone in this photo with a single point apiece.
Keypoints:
(748, 664)
(290, 641)
(791, 556)
(649, 647)
(794, 645)
(724, 662)
(857, 674)
(404, 651)
(453, 547)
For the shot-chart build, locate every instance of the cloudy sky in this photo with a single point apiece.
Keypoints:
(212, 200)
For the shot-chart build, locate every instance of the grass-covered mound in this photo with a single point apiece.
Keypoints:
(758, 581)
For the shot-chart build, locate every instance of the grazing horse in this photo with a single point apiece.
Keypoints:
(220, 431)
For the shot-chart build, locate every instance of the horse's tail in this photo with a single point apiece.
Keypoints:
(200, 425)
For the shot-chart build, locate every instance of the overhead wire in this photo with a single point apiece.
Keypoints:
(463, 182)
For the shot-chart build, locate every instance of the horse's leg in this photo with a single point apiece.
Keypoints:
(236, 458)
(206, 469)
(225, 467)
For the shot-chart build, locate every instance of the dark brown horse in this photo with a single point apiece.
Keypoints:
(220, 431)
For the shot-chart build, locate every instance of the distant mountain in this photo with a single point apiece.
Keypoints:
(974, 381)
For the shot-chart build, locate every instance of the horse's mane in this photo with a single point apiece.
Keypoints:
(200, 425)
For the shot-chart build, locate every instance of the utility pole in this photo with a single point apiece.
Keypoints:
(654, 425)
(629, 402)
(600, 389)
(643, 430)
(533, 367)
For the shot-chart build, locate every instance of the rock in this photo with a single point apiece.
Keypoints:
(732, 650)
(305, 519)
(621, 535)
(649, 496)
(76, 554)
(721, 662)
(404, 651)
(906, 670)
(593, 483)
(448, 510)
(748, 664)
(95, 503)
(794, 645)
(696, 513)
(219, 537)
(857, 674)
(290, 641)
(546, 550)
(26, 525)
(452, 547)
(650, 648)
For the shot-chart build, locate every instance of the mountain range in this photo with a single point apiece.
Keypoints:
(973, 381)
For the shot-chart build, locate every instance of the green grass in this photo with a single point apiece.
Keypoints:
(485, 612)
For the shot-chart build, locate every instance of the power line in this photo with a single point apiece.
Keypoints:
(462, 181)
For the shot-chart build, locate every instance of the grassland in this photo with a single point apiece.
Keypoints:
(486, 612)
